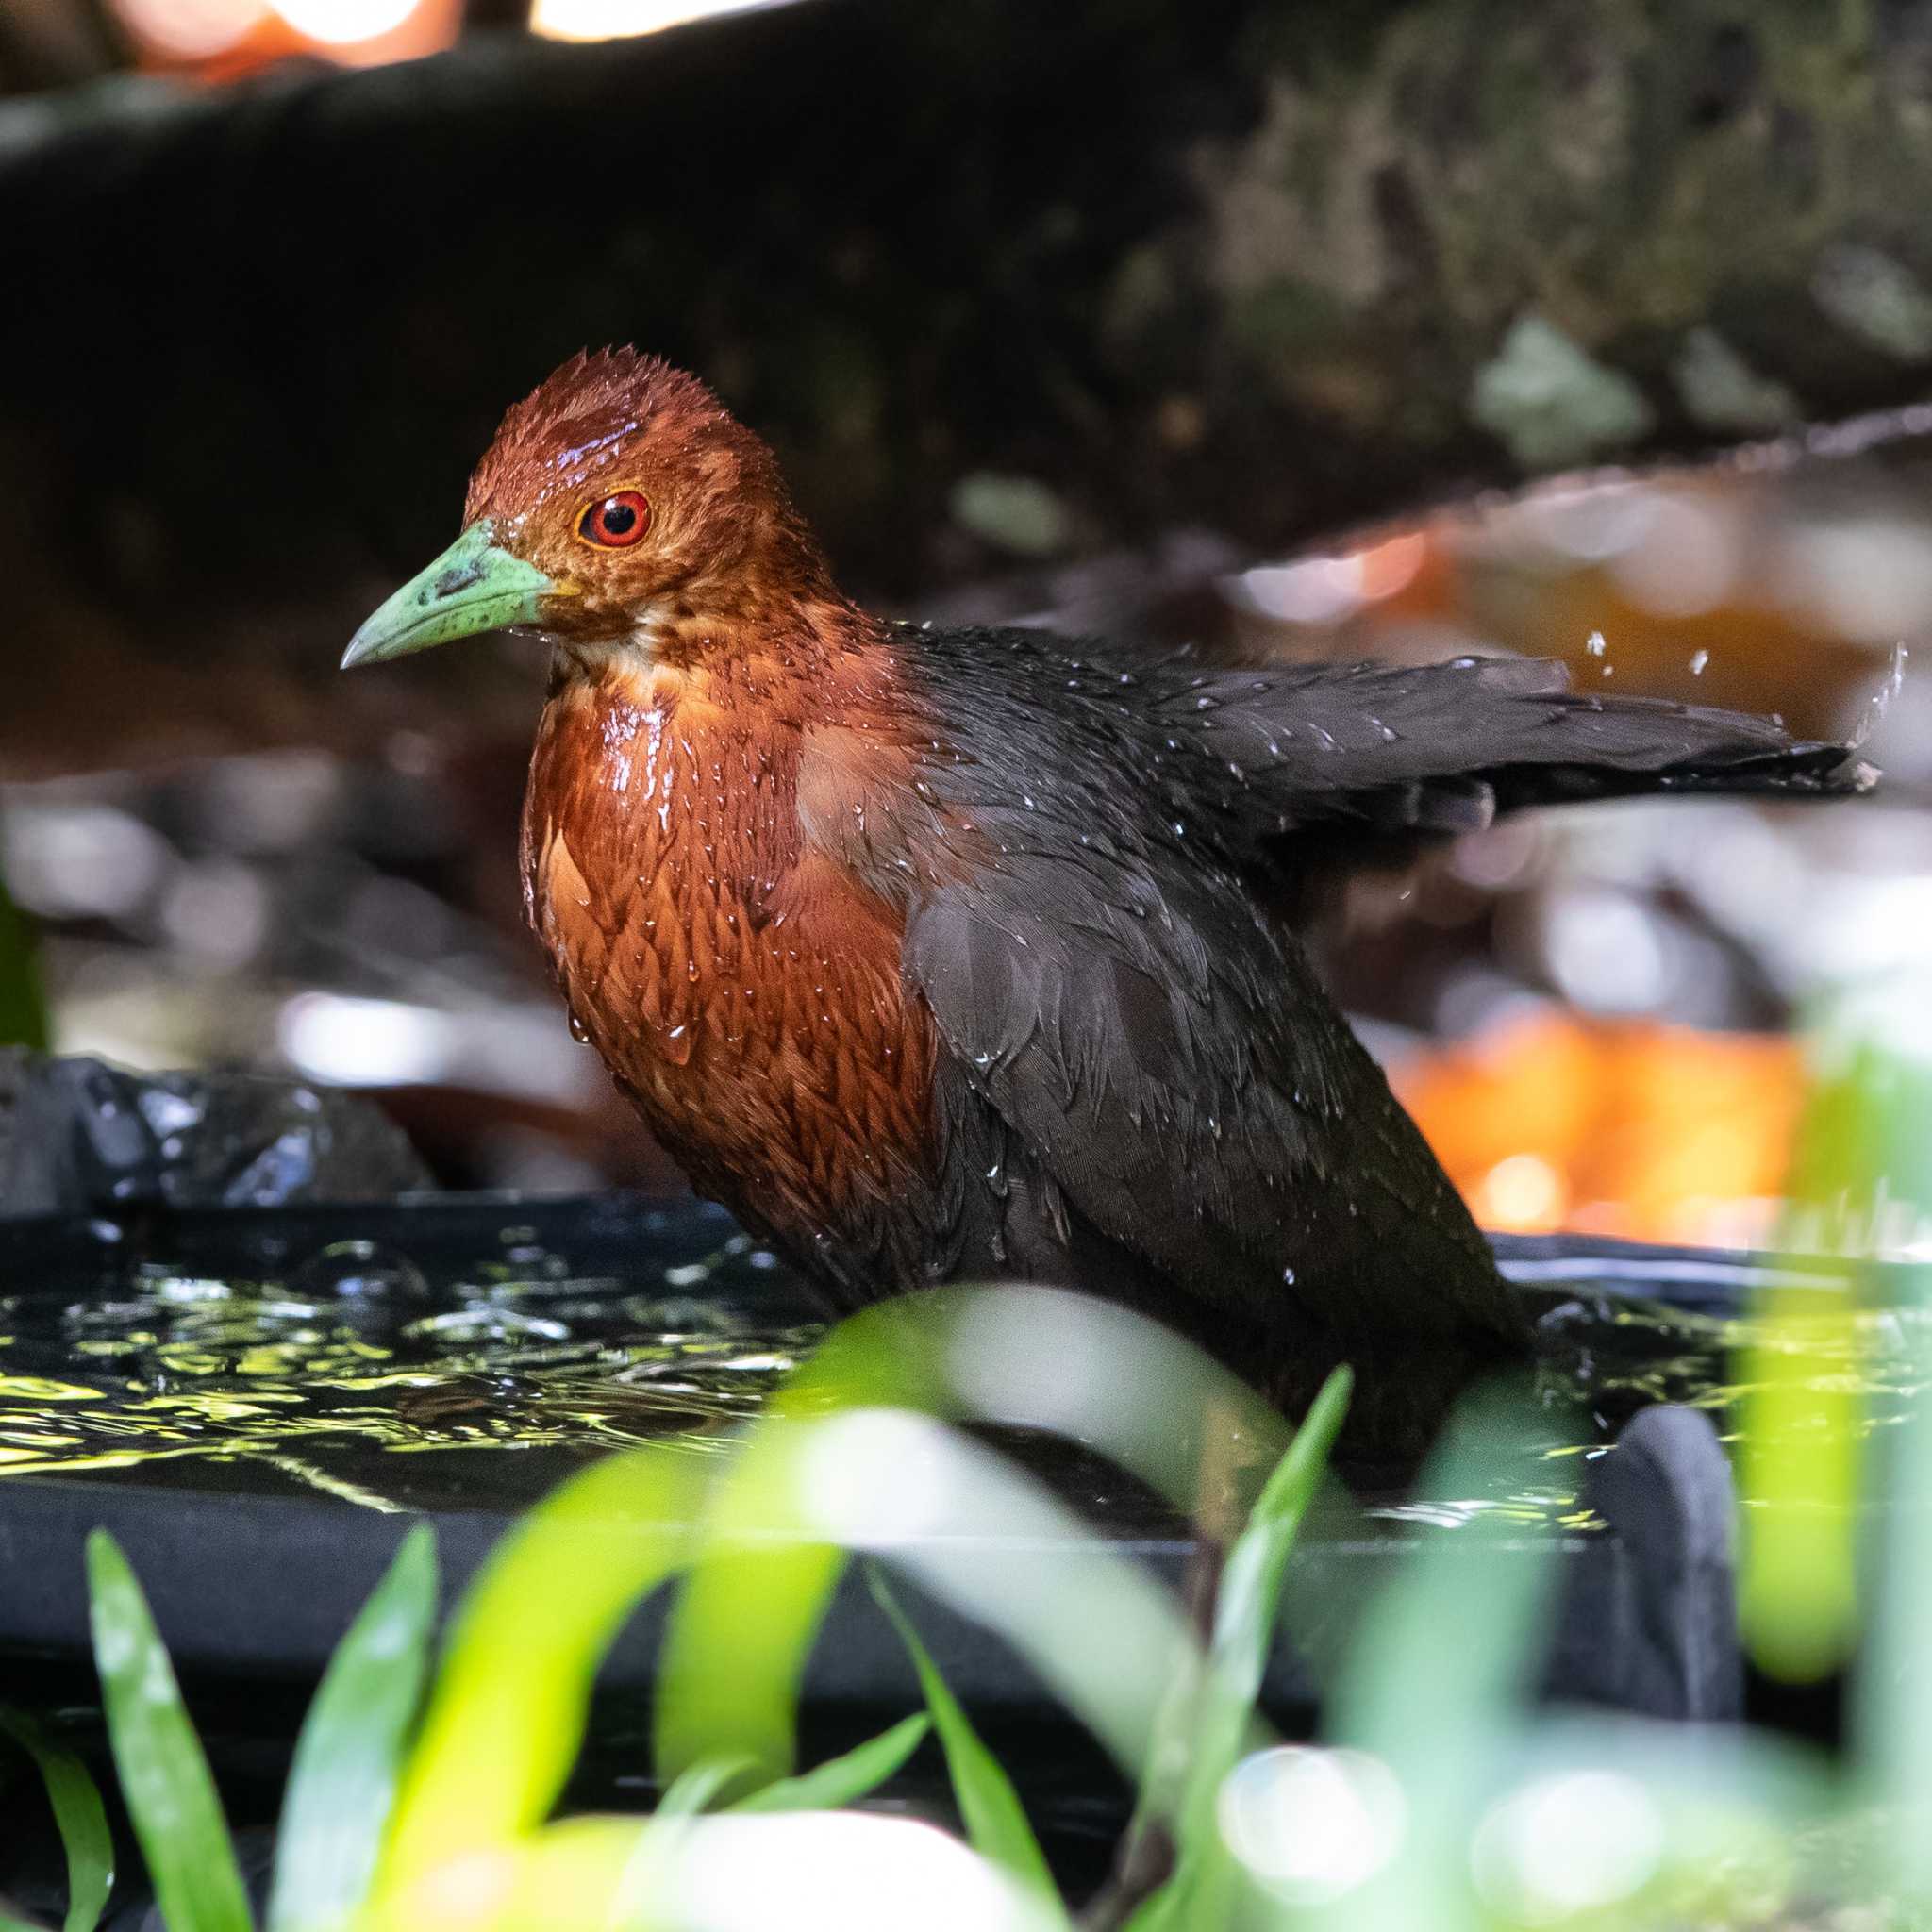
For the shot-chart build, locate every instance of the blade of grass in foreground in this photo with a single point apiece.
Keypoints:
(1799, 1459)
(744, 1622)
(164, 1776)
(1445, 1658)
(842, 1781)
(507, 1708)
(78, 1814)
(692, 1791)
(825, 1872)
(23, 1008)
(1892, 1693)
(1861, 1163)
(996, 1823)
(1891, 1704)
(745, 1619)
(743, 1625)
(348, 1758)
(1209, 1732)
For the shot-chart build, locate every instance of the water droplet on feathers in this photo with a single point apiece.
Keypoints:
(1594, 643)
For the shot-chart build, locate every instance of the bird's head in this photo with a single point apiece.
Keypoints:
(617, 498)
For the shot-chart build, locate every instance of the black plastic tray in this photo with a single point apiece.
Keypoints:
(252, 1580)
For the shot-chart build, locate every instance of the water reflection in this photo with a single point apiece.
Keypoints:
(421, 1364)
(353, 1352)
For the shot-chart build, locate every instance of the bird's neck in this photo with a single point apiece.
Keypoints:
(720, 708)
(774, 654)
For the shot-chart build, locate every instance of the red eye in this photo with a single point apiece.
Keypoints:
(615, 521)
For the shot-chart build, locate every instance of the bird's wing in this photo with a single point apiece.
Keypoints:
(1444, 749)
(1167, 1059)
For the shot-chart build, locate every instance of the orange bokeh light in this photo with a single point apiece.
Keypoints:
(225, 40)
(1628, 1128)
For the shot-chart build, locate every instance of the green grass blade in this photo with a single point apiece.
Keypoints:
(996, 1823)
(749, 1612)
(1219, 1720)
(507, 1707)
(348, 1758)
(1891, 1704)
(743, 1625)
(572, 1876)
(165, 1781)
(1250, 1595)
(23, 1006)
(692, 1791)
(1444, 1662)
(993, 1543)
(78, 1814)
(842, 1781)
(853, 1871)
(745, 1619)
(1799, 1472)
(1863, 1161)
(640, 1883)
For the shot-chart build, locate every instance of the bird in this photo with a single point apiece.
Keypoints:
(945, 955)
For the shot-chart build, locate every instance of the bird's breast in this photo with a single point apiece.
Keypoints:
(741, 983)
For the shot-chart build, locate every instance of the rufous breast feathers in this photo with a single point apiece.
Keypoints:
(738, 979)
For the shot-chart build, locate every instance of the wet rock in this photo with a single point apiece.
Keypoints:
(78, 1136)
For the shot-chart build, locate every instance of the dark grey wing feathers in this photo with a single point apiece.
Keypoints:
(1442, 748)
(1163, 1055)
(1148, 1042)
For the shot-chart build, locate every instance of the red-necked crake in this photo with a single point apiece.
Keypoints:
(961, 953)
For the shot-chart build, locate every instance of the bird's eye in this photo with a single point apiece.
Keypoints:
(615, 521)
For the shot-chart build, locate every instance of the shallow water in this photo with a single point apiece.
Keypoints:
(469, 1353)
(329, 1362)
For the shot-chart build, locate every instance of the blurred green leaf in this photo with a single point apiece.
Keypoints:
(692, 1791)
(745, 1621)
(1249, 1595)
(842, 1781)
(1799, 1472)
(23, 1008)
(78, 1814)
(164, 1776)
(572, 1876)
(1444, 1663)
(1892, 1690)
(981, 1536)
(348, 1758)
(1207, 1731)
(507, 1707)
(1863, 1167)
(853, 1871)
(996, 1823)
